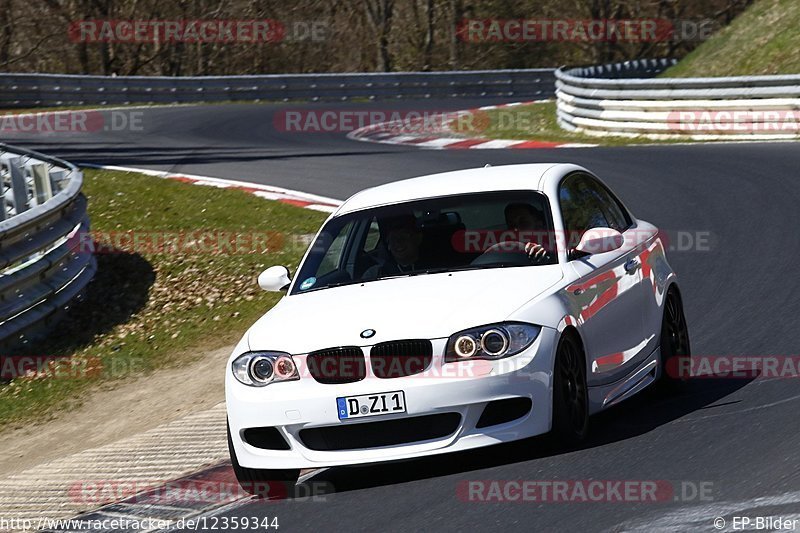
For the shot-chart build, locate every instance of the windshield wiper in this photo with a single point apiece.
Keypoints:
(439, 270)
(501, 265)
(329, 285)
(463, 268)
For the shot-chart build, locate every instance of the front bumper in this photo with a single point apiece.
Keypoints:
(462, 388)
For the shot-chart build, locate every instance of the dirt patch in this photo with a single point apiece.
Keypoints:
(111, 414)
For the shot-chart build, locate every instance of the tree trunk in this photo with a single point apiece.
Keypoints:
(379, 15)
(427, 51)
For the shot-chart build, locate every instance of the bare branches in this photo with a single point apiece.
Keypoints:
(328, 35)
(379, 14)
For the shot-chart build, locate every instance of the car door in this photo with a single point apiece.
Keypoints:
(607, 294)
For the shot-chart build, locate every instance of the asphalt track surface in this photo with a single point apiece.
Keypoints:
(738, 435)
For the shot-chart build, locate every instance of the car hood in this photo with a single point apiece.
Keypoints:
(417, 307)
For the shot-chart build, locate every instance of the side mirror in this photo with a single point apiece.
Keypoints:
(600, 240)
(275, 278)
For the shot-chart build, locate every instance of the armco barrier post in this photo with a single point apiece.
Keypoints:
(19, 190)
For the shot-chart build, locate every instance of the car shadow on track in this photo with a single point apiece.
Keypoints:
(636, 416)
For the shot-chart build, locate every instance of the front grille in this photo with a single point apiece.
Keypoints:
(337, 365)
(396, 359)
(376, 434)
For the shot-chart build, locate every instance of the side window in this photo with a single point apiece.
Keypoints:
(616, 215)
(332, 259)
(373, 236)
(581, 208)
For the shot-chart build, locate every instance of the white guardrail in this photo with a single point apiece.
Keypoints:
(624, 99)
(43, 263)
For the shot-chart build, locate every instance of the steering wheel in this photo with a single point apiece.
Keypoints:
(506, 252)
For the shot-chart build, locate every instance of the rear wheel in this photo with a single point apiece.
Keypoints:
(570, 393)
(675, 347)
(263, 483)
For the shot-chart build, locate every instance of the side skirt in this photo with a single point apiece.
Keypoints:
(604, 396)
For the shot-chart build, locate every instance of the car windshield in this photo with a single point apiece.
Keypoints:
(443, 234)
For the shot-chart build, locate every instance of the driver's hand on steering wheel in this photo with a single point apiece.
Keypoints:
(536, 251)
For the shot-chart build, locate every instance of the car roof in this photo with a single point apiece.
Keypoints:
(499, 178)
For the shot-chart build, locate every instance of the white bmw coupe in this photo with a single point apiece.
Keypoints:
(450, 312)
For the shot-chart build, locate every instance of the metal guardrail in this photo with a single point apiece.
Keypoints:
(625, 99)
(43, 263)
(33, 90)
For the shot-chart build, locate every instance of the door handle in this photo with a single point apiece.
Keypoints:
(631, 266)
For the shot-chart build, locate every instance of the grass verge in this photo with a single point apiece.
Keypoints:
(760, 41)
(537, 122)
(151, 306)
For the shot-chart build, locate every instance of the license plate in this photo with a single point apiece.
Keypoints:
(383, 403)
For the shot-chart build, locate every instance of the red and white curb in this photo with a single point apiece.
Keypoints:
(413, 133)
(268, 192)
(185, 503)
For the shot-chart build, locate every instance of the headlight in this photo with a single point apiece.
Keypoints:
(465, 346)
(494, 341)
(259, 369)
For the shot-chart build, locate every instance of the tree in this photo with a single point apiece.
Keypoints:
(379, 14)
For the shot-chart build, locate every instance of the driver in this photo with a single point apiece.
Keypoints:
(403, 240)
(523, 217)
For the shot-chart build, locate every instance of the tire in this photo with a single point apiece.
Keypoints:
(263, 483)
(570, 393)
(675, 344)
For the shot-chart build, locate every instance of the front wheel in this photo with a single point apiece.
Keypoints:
(262, 483)
(675, 349)
(570, 393)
